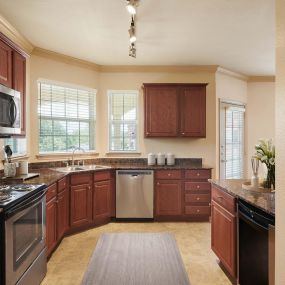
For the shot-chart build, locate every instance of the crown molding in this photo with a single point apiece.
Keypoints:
(65, 58)
(231, 73)
(159, 68)
(261, 79)
(14, 36)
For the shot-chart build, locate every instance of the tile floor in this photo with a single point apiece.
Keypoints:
(69, 262)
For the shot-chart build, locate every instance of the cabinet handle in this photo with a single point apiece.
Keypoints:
(198, 211)
(198, 186)
(157, 183)
(183, 134)
(198, 174)
(168, 174)
(210, 204)
(198, 199)
(220, 197)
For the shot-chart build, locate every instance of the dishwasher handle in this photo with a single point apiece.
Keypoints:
(134, 172)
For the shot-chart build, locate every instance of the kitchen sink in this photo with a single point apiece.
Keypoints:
(81, 168)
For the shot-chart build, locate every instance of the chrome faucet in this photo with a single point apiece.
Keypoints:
(74, 150)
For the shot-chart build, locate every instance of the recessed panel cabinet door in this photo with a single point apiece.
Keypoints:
(5, 65)
(168, 198)
(161, 111)
(80, 205)
(51, 235)
(224, 237)
(193, 111)
(102, 199)
(63, 213)
(19, 84)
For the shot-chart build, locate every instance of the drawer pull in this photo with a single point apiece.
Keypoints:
(198, 211)
(220, 197)
(198, 186)
(157, 183)
(197, 198)
(198, 174)
(168, 174)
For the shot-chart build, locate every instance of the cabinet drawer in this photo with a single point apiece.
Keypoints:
(224, 199)
(198, 186)
(198, 174)
(168, 174)
(102, 175)
(197, 198)
(78, 179)
(61, 185)
(197, 210)
(51, 192)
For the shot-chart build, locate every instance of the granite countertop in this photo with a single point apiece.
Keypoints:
(50, 175)
(263, 200)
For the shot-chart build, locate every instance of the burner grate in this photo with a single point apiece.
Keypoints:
(4, 196)
(22, 187)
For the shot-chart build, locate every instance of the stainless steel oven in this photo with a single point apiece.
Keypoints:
(25, 256)
(10, 111)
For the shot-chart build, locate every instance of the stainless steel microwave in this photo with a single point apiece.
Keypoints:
(10, 112)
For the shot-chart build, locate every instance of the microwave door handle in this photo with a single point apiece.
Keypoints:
(14, 106)
(10, 111)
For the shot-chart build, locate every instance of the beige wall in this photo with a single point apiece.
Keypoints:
(280, 142)
(260, 114)
(229, 87)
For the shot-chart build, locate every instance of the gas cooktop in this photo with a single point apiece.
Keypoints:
(12, 194)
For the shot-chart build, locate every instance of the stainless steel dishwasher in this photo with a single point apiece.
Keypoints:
(134, 194)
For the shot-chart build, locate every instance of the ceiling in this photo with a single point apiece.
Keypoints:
(236, 34)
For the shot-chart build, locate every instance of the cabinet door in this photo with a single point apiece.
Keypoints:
(62, 213)
(101, 199)
(19, 84)
(168, 198)
(224, 237)
(161, 111)
(51, 235)
(193, 111)
(80, 205)
(5, 65)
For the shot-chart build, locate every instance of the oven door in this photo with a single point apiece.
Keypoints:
(24, 236)
(10, 111)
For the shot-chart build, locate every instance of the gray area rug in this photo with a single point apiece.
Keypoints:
(136, 259)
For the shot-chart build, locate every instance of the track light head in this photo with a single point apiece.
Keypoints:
(131, 6)
(132, 50)
(132, 31)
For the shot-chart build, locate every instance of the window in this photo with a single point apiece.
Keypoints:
(66, 118)
(123, 121)
(18, 146)
(232, 141)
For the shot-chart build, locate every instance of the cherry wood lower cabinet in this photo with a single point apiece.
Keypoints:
(223, 230)
(101, 200)
(80, 200)
(51, 235)
(57, 213)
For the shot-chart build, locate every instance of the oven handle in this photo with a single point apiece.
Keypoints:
(252, 222)
(25, 205)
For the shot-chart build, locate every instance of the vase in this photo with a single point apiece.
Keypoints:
(270, 178)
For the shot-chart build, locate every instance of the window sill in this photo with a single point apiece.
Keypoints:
(123, 152)
(65, 154)
(20, 157)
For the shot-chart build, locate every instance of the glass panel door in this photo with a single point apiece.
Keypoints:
(231, 141)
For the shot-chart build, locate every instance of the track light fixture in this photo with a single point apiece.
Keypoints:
(132, 50)
(131, 6)
(132, 31)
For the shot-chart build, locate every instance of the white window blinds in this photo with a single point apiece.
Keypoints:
(123, 120)
(66, 118)
(234, 142)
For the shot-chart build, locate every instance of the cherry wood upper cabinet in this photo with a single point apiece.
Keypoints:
(193, 111)
(5, 64)
(175, 109)
(161, 110)
(19, 84)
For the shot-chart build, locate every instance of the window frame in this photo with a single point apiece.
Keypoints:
(110, 151)
(72, 86)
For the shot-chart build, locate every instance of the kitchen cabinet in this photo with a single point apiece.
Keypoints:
(19, 84)
(102, 197)
(51, 218)
(168, 194)
(62, 208)
(174, 110)
(80, 200)
(223, 229)
(5, 64)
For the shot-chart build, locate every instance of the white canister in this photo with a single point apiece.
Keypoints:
(23, 167)
(10, 169)
(161, 158)
(170, 158)
(151, 159)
